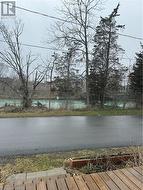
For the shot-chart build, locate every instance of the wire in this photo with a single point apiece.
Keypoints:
(54, 49)
(40, 13)
(129, 36)
(127, 58)
(57, 18)
(35, 46)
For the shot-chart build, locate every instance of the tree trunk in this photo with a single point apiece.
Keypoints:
(50, 96)
(26, 100)
(102, 100)
(51, 77)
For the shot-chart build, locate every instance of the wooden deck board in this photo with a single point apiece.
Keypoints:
(61, 184)
(132, 178)
(122, 179)
(1, 187)
(51, 184)
(109, 181)
(118, 181)
(8, 187)
(71, 183)
(41, 185)
(126, 180)
(100, 182)
(136, 174)
(80, 183)
(20, 187)
(30, 186)
(139, 170)
(90, 183)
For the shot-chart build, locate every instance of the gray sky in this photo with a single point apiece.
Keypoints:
(35, 30)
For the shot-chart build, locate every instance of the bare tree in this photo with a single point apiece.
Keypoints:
(21, 65)
(2, 69)
(78, 28)
(50, 67)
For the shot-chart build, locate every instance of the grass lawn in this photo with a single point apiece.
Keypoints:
(46, 113)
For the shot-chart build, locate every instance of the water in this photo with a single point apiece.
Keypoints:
(35, 135)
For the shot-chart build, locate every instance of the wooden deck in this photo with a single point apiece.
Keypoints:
(123, 179)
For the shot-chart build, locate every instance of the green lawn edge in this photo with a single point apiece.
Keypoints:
(98, 112)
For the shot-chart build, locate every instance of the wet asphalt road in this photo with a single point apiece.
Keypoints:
(37, 135)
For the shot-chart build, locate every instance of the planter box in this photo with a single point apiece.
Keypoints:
(115, 159)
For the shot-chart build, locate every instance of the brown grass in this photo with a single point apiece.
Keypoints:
(48, 161)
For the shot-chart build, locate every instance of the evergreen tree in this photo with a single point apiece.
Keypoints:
(105, 68)
(66, 80)
(136, 79)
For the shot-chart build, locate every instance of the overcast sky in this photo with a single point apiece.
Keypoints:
(35, 30)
